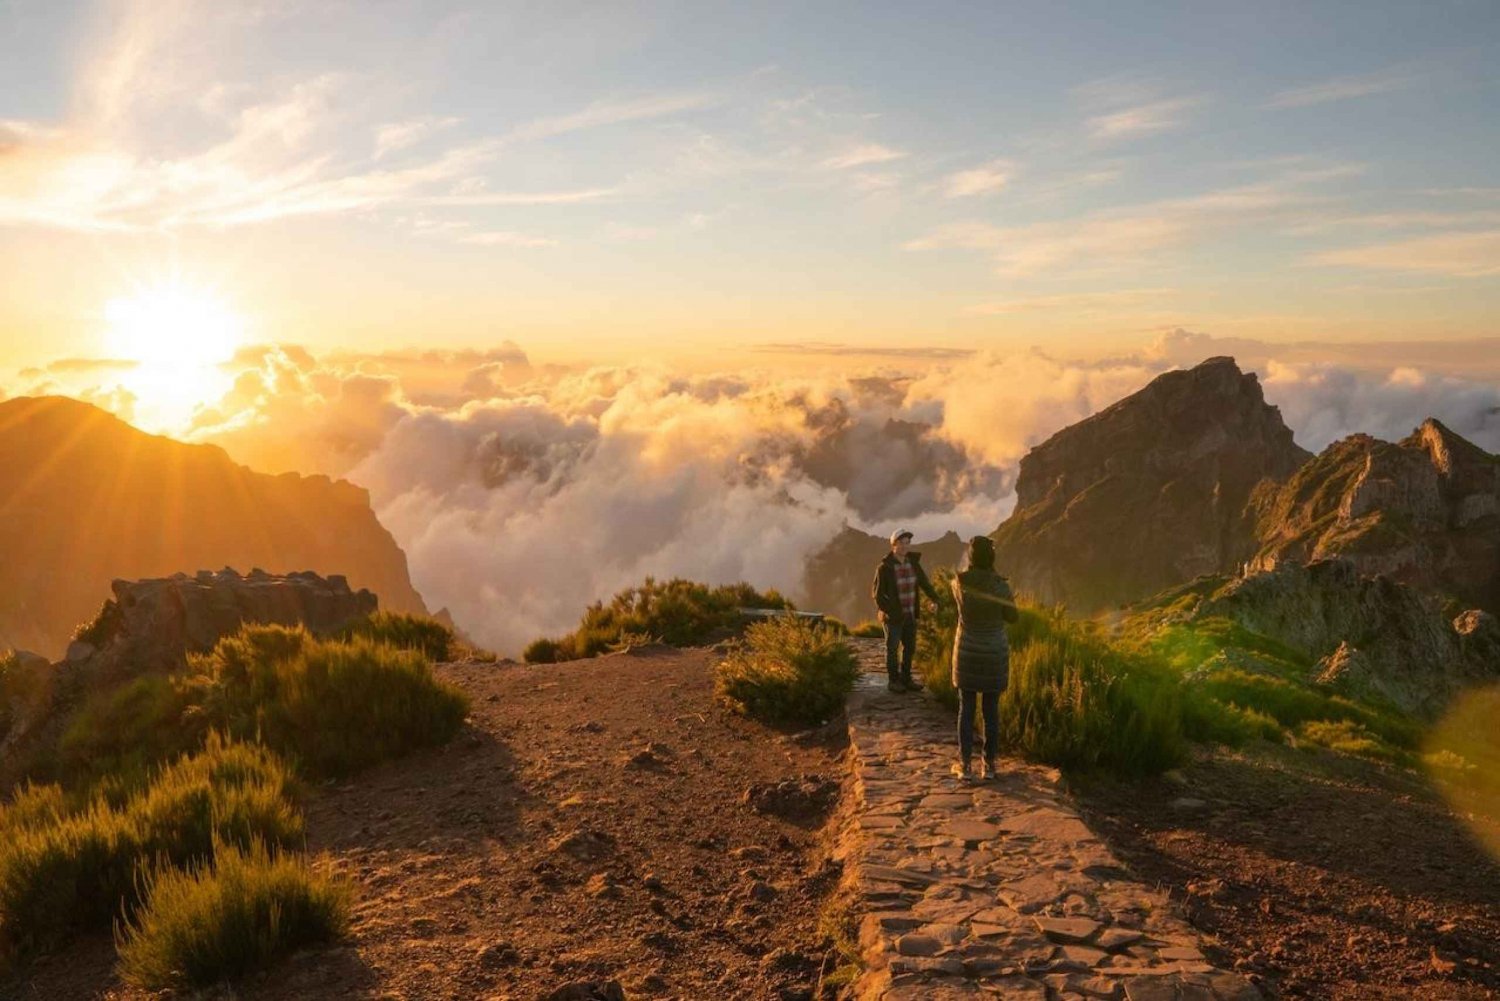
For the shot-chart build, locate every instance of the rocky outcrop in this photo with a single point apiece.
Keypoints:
(1372, 636)
(1152, 491)
(86, 499)
(1424, 511)
(837, 578)
(153, 625)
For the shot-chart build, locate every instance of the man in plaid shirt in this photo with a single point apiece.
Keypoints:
(898, 578)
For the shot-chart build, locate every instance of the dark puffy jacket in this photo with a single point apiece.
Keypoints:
(888, 598)
(981, 652)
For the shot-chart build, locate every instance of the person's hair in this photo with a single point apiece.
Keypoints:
(982, 553)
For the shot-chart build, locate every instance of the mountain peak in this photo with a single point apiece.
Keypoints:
(1148, 492)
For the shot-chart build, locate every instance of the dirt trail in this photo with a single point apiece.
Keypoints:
(588, 825)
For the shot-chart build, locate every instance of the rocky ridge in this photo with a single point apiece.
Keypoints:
(1424, 511)
(84, 491)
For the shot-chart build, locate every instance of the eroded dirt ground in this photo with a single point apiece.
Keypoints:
(589, 825)
(1324, 877)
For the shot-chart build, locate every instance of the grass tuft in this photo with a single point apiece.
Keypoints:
(788, 671)
(335, 706)
(676, 612)
(208, 923)
(431, 638)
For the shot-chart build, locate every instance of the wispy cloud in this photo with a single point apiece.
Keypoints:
(506, 238)
(1341, 89)
(1462, 255)
(986, 179)
(862, 156)
(1142, 119)
(606, 113)
(399, 135)
(1081, 302)
(1117, 237)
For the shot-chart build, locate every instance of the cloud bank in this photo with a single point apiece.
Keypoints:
(522, 493)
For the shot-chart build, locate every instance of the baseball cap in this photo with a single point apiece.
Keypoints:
(899, 534)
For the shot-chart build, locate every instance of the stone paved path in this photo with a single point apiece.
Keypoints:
(996, 889)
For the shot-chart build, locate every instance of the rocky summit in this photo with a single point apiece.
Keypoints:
(1424, 510)
(85, 499)
(1152, 491)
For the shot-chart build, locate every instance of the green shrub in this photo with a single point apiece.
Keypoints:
(125, 730)
(1346, 737)
(1076, 702)
(33, 806)
(868, 629)
(335, 706)
(209, 923)
(405, 632)
(787, 671)
(676, 612)
(1292, 704)
(543, 651)
(1208, 720)
(62, 872)
(836, 624)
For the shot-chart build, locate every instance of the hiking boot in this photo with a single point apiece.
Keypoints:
(991, 771)
(963, 771)
(895, 687)
(912, 685)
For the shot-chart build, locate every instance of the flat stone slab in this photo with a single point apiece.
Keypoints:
(994, 890)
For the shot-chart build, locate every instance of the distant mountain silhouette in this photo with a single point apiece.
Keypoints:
(837, 577)
(85, 498)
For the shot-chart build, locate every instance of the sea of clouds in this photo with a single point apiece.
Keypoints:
(521, 493)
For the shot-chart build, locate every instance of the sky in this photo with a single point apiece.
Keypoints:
(582, 293)
(690, 182)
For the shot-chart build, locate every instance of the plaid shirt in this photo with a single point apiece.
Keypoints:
(906, 586)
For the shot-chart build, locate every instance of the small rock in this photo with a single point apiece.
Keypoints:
(600, 990)
(917, 944)
(1187, 803)
(761, 891)
(497, 955)
(601, 884)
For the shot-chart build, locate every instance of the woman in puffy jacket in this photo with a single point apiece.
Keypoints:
(981, 652)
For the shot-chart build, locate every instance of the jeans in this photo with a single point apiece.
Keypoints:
(903, 635)
(966, 705)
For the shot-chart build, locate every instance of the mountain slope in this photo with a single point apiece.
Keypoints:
(86, 498)
(1149, 492)
(1424, 511)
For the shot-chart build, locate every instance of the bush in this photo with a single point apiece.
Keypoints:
(62, 872)
(430, 637)
(677, 612)
(333, 705)
(1076, 702)
(868, 629)
(543, 651)
(125, 730)
(210, 923)
(787, 671)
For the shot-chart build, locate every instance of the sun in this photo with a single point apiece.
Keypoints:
(176, 338)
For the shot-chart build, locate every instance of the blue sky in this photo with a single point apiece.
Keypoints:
(599, 180)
